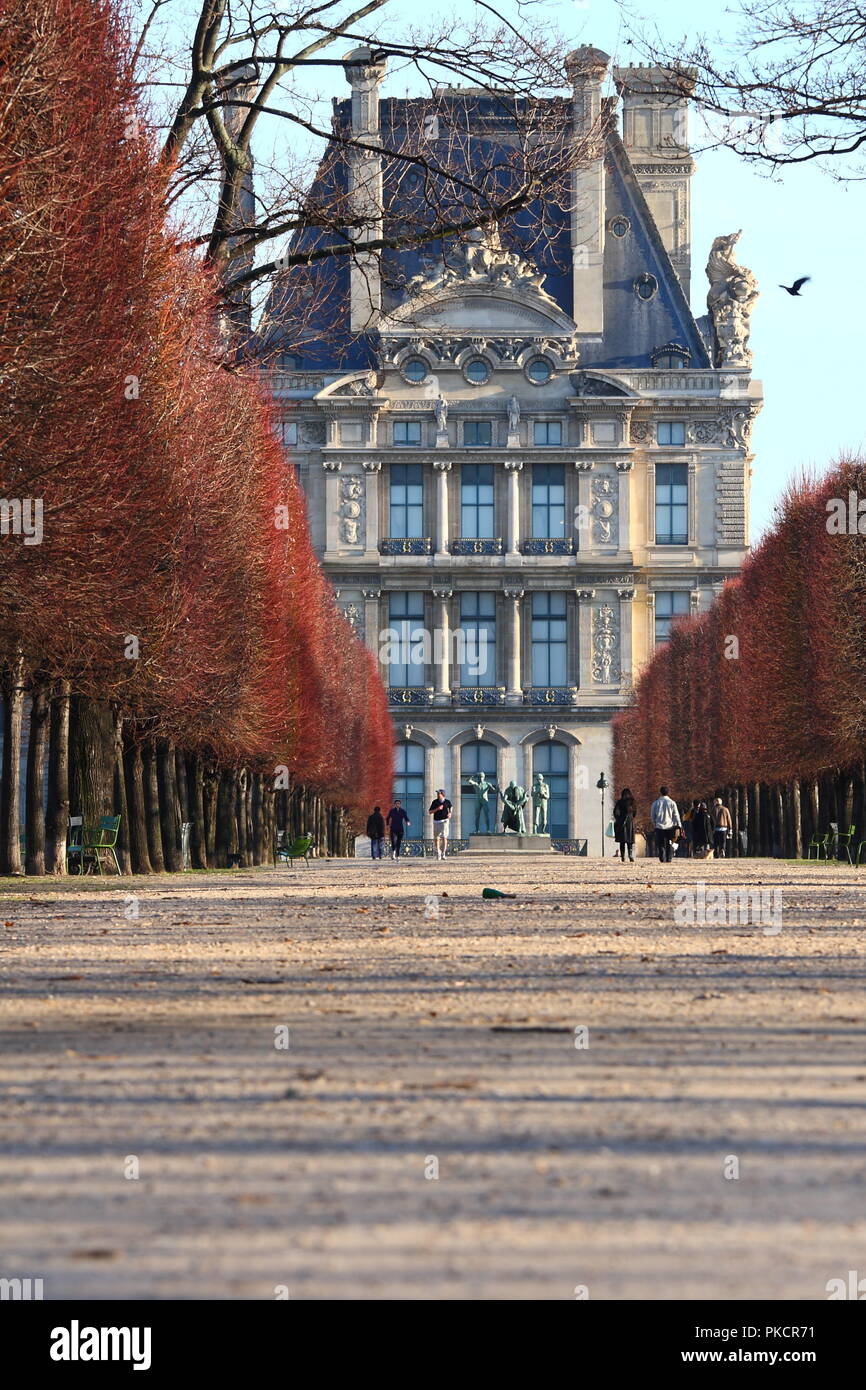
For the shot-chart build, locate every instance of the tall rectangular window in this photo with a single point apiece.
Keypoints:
(672, 504)
(478, 433)
(406, 501)
(478, 645)
(407, 637)
(549, 641)
(548, 500)
(671, 433)
(669, 605)
(476, 501)
(546, 432)
(407, 433)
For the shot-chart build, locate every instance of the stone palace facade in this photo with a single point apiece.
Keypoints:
(532, 476)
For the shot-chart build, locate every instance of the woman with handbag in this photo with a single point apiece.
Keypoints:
(623, 824)
(702, 832)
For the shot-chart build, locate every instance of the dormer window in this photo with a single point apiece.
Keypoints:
(477, 371)
(415, 369)
(645, 286)
(539, 371)
(671, 355)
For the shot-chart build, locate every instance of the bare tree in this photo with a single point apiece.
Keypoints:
(790, 88)
(249, 76)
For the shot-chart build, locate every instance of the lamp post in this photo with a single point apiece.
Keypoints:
(602, 787)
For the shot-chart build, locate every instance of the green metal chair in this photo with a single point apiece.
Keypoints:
(819, 844)
(104, 838)
(844, 841)
(298, 849)
(75, 845)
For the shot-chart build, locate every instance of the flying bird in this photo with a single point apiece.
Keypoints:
(795, 288)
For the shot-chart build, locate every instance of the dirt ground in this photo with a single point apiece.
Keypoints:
(361, 1080)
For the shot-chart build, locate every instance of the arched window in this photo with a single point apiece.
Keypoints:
(409, 786)
(551, 759)
(475, 758)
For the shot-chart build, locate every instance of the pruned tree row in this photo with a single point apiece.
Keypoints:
(165, 631)
(761, 699)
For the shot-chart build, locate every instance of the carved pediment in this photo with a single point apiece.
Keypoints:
(478, 286)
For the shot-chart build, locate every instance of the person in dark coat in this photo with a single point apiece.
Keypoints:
(376, 832)
(623, 824)
(702, 830)
(397, 820)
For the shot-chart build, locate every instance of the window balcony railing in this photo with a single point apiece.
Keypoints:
(479, 695)
(550, 545)
(411, 545)
(410, 695)
(475, 545)
(550, 694)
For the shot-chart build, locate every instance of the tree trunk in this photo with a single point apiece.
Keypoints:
(136, 806)
(92, 757)
(779, 818)
(195, 785)
(797, 818)
(181, 783)
(57, 827)
(35, 798)
(847, 799)
(814, 807)
(212, 782)
(123, 845)
(240, 789)
(10, 791)
(151, 806)
(168, 805)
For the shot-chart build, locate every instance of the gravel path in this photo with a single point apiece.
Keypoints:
(434, 1034)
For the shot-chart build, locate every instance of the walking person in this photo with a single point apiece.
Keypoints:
(397, 819)
(623, 824)
(723, 828)
(702, 831)
(440, 810)
(376, 832)
(687, 826)
(665, 817)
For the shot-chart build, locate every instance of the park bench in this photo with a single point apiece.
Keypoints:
(298, 849)
(85, 844)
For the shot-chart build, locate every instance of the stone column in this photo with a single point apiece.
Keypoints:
(583, 509)
(456, 797)
(693, 502)
(431, 782)
(584, 629)
(442, 648)
(514, 692)
(443, 468)
(513, 468)
(371, 623)
(332, 503)
(372, 469)
(624, 468)
(626, 597)
(574, 789)
(651, 624)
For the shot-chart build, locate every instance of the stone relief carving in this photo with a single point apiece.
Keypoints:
(605, 645)
(641, 431)
(740, 429)
(604, 496)
(730, 300)
(313, 432)
(361, 386)
(355, 618)
(351, 509)
(707, 432)
(481, 259)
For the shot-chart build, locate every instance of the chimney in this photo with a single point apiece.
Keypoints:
(242, 84)
(586, 68)
(656, 136)
(365, 76)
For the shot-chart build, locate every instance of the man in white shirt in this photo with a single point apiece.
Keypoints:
(665, 818)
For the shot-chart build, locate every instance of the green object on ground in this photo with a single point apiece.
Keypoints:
(495, 893)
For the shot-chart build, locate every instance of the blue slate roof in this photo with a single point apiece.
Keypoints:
(633, 327)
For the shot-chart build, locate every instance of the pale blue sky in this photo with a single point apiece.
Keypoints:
(803, 223)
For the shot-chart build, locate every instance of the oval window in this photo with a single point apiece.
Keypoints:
(646, 286)
(539, 371)
(415, 369)
(477, 372)
(619, 226)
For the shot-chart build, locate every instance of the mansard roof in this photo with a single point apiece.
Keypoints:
(634, 327)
